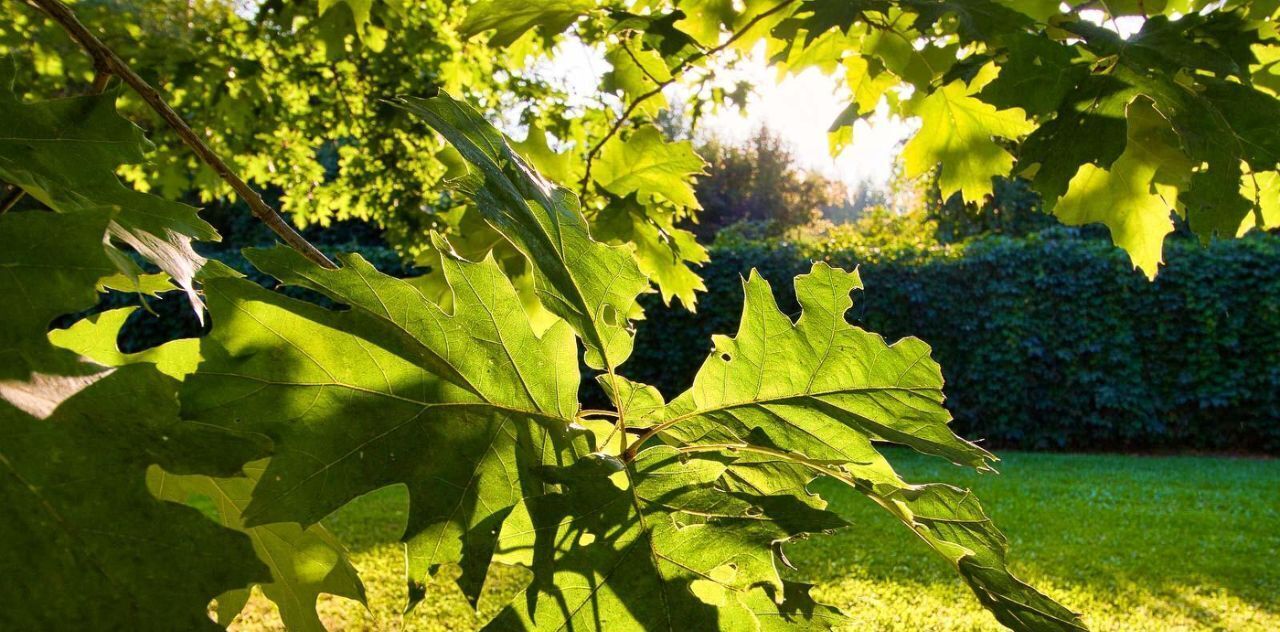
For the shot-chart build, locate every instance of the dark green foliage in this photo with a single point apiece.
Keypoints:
(1013, 209)
(1048, 342)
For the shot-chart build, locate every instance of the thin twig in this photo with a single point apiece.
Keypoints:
(105, 58)
(10, 199)
(675, 74)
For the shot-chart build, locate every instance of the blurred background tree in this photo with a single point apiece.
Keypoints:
(760, 183)
(1013, 209)
(292, 93)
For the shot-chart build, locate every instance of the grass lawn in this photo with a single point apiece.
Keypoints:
(1135, 543)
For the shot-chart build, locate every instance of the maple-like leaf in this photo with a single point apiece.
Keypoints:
(1264, 189)
(65, 153)
(650, 167)
(591, 285)
(959, 131)
(704, 19)
(1087, 129)
(663, 251)
(1136, 197)
(636, 72)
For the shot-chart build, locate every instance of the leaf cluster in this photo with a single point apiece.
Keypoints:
(461, 385)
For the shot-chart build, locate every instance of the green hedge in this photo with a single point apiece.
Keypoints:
(1048, 342)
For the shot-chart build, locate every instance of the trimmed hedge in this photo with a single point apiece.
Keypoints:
(1046, 342)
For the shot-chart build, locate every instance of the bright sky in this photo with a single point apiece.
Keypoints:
(800, 108)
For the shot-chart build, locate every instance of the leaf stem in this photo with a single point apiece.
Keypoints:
(675, 74)
(106, 59)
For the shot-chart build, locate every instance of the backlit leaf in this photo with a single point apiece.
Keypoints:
(589, 284)
(809, 397)
(509, 19)
(457, 406)
(959, 131)
(65, 153)
(650, 167)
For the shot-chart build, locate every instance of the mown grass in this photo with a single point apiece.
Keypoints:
(1135, 543)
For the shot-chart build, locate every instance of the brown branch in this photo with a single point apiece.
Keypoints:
(675, 74)
(105, 58)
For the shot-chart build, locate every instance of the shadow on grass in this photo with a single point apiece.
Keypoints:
(1188, 538)
(1154, 532)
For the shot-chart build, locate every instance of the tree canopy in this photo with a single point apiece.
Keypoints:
(462, 383)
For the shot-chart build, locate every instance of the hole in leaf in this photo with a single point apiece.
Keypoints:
(610, 315)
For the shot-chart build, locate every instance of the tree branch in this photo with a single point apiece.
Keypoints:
(675, 74)
(105, 59)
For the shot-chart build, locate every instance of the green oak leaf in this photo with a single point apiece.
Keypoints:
(95, 338)
(51, 264)
(457, 406)
(657, 545)
(1136, 196)
(959, 131)
(591, 285)
(650, 167)
(510, 19)
(152, 285)
(85, 540)
(808, 398)
(65, 153)
(819, 385)
(304, 562)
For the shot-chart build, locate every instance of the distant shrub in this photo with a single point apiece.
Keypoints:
(1047, 342)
